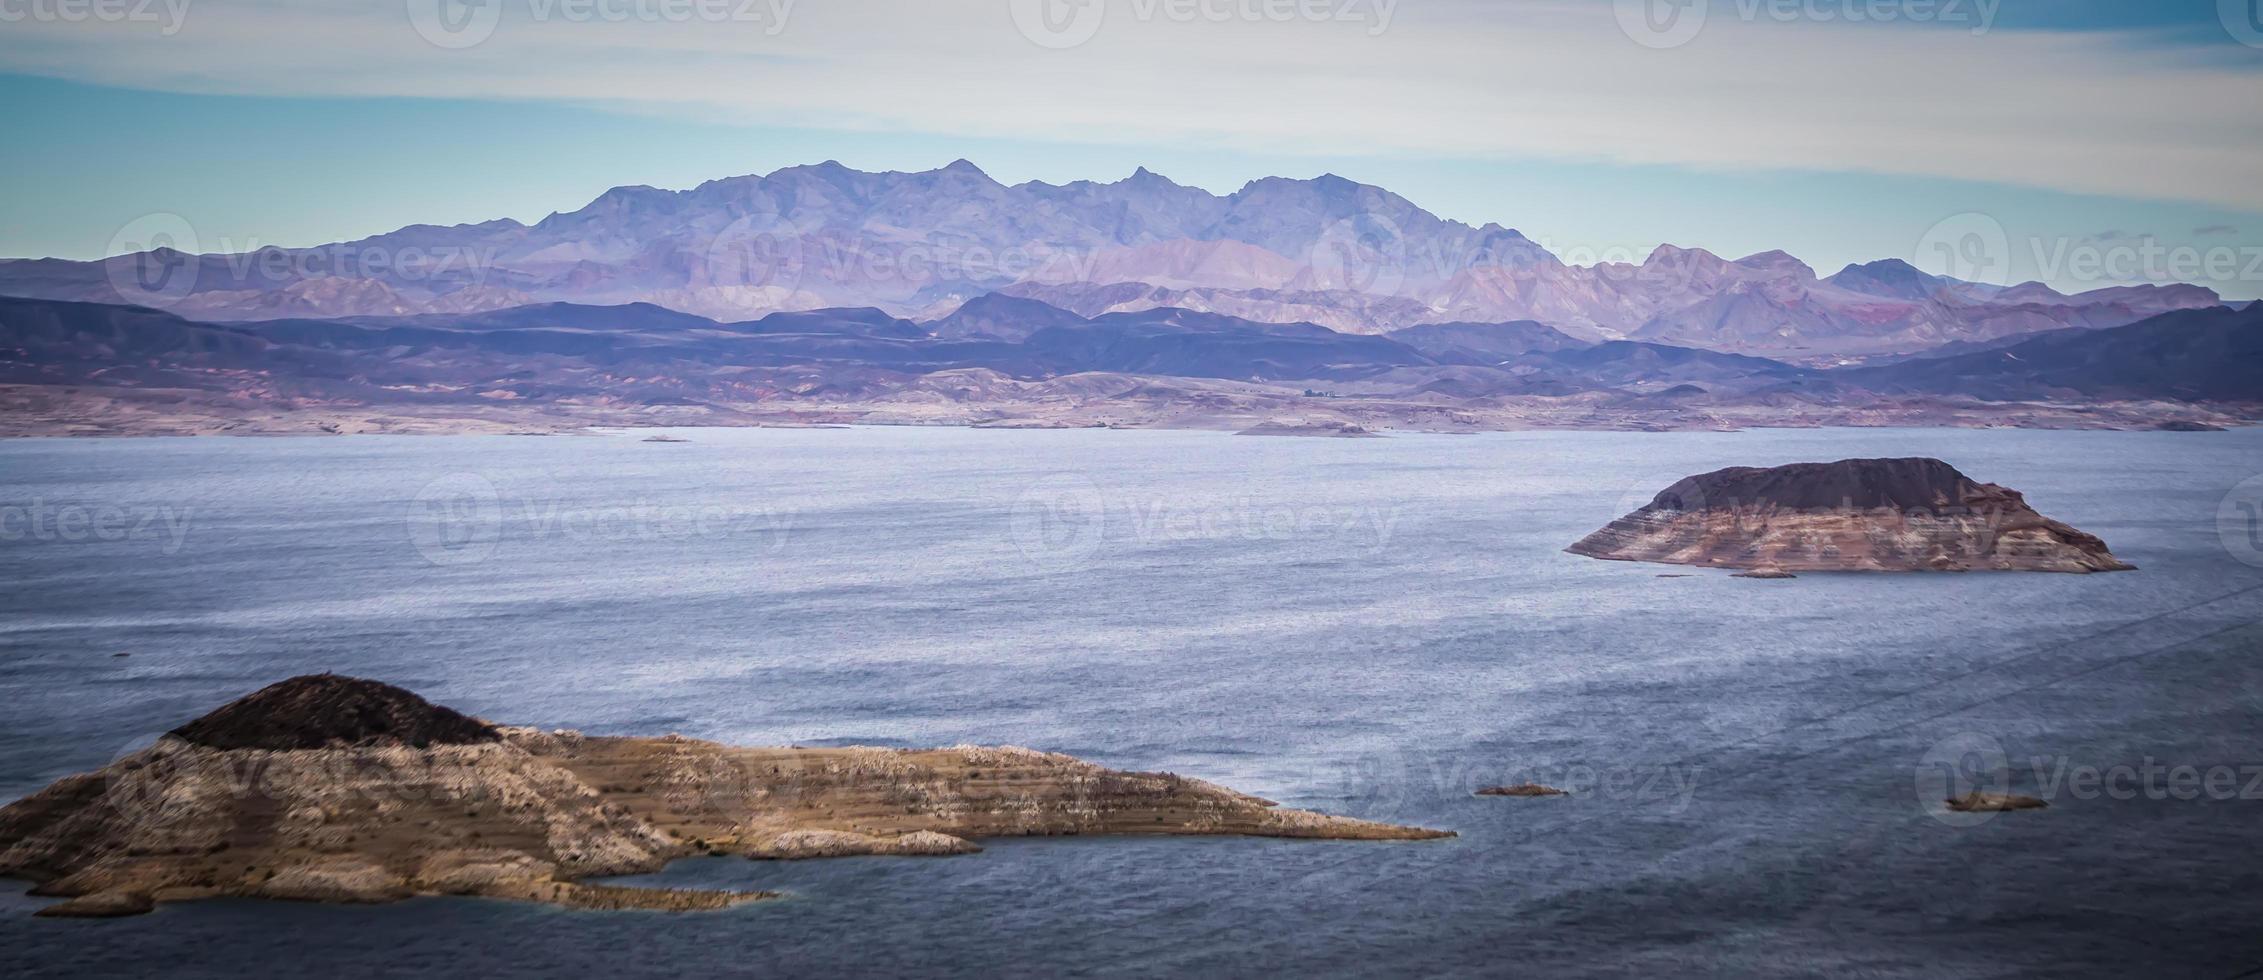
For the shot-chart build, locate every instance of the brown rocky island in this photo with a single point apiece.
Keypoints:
(1874, 515)
(329, 788)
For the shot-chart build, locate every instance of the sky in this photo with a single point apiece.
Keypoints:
(2096, 143)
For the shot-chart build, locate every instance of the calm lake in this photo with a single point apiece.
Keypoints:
(1373, 627)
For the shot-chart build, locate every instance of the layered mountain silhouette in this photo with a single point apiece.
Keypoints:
(2190, 355)
(1353, 258)
(647, 354)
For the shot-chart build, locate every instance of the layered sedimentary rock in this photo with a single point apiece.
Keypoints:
(329, 788)
(1851, 515)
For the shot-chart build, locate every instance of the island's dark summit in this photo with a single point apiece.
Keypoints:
(321, 711)
(336, 789)
(1852, 515)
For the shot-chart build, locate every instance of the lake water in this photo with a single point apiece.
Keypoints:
(1372, 627)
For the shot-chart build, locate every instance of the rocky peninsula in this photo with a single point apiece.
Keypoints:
(1912, 514)
(336, 789)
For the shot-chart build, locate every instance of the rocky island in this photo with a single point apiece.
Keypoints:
(1852, 515)
(331, 788)
(1316, 428)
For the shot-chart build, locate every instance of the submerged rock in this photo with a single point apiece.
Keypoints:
(1522, 789)
(1977, 802)
(1851, 515)
(336, 789)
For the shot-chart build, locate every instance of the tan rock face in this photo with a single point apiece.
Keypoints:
(1853, 515)
(523, 814)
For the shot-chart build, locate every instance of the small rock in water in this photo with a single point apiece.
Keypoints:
(1522, 789)
(1994, 802)
(1764, 573)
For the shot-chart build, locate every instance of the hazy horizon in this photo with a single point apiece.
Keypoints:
(1827, 133)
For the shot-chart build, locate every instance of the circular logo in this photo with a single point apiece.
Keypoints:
(455, 24)
(759, 251)
(146, 771)
(1970, 246)
(1661, 24)
(1959, 766)
(2244, 19)
(456, 519)
(153, 260)
(1059, 24)
(1364, 253)
(1643, 493)
(2239, 521)
(1392, 785)
(1058, 521)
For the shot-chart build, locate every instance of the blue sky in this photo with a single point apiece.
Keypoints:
(2074, 125)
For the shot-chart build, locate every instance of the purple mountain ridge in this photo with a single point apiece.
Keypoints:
(1352, 257)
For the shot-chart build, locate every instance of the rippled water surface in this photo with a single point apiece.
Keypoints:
(1374, 627)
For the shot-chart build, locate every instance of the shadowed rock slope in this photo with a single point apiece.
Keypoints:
(327, 788)
(1851, 515)
(325, 710)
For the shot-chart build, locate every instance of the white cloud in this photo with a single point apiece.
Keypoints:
(2090, 112)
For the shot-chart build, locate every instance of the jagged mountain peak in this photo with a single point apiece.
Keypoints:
(1143, 177)
(1779, 262)
(1324, 249)
(1669, 252)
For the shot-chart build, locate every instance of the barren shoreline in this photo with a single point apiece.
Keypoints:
(334, 789)
(31, 411)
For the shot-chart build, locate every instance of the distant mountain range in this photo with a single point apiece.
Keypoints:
(1352, 258)
(560, 360)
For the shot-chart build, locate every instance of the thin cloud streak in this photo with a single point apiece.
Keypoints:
(2081, 112)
